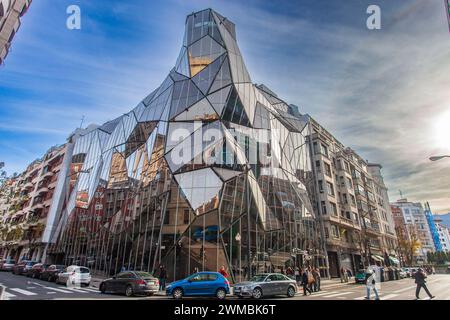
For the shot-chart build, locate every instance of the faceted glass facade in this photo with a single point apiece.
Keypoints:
(209, 170)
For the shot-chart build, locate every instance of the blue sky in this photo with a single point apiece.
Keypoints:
(384, 93)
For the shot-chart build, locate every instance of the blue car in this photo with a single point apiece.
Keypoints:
(204, 284)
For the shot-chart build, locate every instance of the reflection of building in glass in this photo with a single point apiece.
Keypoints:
(10, 13)
(218, 194)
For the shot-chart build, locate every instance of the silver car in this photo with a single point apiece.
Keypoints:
(7, 265)
(266, 284)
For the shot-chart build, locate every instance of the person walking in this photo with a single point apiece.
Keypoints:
(195, 270)
(316, 275)
(223, 272)
(342, 275)
(162, 278)
(298, 275)
(305, 283)
(371, 283)
(420, 277)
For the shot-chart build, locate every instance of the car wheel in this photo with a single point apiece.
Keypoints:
(177, 293)
(129, 291)
(221, 294)
(102, 288)
(257, 293)
(291, 292)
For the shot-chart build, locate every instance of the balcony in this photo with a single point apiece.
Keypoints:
(42, 190)
(47, 175)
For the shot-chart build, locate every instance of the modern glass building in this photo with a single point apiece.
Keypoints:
(208, 170)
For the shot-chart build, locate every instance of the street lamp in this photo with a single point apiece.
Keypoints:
(436, 158)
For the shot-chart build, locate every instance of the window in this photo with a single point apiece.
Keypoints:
(330, 189)
(327, 169)
(318, 166)
(186, 216)
(316, 148)
(344, 197)
(324, 207)
(350, 183)
(333, 209)
(327, 235)
(324, 150)
(335, 231)
(167, 217)
(320, 186)
(352, 197)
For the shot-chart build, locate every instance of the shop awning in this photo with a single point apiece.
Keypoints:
(394, 260)
(377, 258)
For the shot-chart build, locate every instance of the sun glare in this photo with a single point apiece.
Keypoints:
(442, 132)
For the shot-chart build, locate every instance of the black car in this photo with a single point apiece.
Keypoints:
(36, 270)
(51, 273)
(131, 283)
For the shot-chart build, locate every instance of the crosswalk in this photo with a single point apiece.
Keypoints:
(17, 293)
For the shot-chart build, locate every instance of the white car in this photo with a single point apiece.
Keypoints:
(74, 275)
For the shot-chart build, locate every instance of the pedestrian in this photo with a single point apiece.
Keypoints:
(420, 277)
(162, 278)
(342, 275)
(123, 269)
(195, 270)
(316, 275)
(223, 272)
(305, 283)
(371, 283)
(297, 274)
(281, 270)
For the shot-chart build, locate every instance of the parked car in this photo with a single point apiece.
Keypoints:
(200, 284)
(361, 276)
(266, 285)
(7, 265)
(131, 283)
(74, 275)
(36, 270)
(23, 266)
(402, 274)
(51, 273)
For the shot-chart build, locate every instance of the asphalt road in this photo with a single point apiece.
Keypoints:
(23, 288)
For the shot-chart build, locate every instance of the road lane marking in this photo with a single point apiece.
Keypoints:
(337, 294)
(8, 296)
(76, 290)
(323, 293)
(51, 292)
(404, 289)
(91, 290)
(24, 292)
(58, 290)
(389, 296)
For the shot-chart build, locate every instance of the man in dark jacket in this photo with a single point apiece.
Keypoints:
(162, 278)
(420, 281)
(305, 283)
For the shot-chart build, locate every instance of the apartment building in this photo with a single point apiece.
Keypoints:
(31, 197)
(444, 234)
(416, 226)
(352, 205)
(10, 13)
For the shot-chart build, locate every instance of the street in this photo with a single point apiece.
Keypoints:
(23, 288)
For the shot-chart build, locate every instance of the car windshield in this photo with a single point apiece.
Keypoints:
(144, 275)
(258, 278)
(84, 270)
(10, 261)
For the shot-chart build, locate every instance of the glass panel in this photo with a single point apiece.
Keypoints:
(202, 53)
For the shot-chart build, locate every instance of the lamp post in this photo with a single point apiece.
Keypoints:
(437, 158)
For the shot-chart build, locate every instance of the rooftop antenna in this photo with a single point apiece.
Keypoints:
(401, 194)
(82, 120)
